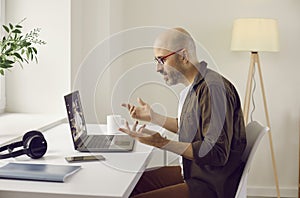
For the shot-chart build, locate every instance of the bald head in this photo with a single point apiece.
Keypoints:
(175, 39)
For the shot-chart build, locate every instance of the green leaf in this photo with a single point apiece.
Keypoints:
(26, 44)
(30, 50)
(27, 55)
(18, 56)
(8, 51)
(8, 62)
(14, 46)
(34, 49)
(11, 26)
(17, 47)
(6, 28)
(16, 31)
(5, 66)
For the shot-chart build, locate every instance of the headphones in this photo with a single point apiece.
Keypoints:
(34, 145)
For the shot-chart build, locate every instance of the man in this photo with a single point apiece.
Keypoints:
(210, 126)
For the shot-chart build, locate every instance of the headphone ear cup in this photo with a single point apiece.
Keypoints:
(35, 144)
(30, 134)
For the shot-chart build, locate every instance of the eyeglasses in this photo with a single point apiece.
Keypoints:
(161, 59)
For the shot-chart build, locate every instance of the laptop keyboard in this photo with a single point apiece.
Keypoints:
(99, 141)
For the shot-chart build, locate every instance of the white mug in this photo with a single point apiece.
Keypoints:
(114, 122)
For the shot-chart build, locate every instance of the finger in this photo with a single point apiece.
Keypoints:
(128, 106)
(130, 133)
(132, 112)
(141, 128)
(124, 105)
(124, 130)
(134, 126)
(127, 125)
(131, 108)
(141, 101)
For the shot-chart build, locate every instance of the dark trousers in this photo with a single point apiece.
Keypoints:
(161, 182)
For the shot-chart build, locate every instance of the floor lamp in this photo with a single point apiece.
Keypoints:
(256, 35)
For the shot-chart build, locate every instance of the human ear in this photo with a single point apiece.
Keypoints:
(185, 56)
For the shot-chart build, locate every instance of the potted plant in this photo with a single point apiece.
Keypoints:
(16, 47)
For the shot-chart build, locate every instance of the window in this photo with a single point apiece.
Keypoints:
(2, 79)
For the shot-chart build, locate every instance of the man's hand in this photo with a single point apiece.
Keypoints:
(145, 136)
(153, 138)
(142, 112)
(145, 113)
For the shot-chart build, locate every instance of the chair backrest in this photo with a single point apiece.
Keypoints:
(254, 133)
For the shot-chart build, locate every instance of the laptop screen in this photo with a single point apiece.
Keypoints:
(75, 117)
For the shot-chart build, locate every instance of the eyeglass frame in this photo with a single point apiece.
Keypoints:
(161, 60)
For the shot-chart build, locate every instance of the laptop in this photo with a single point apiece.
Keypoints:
(92, 143)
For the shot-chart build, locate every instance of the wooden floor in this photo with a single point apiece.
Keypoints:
(266, 197)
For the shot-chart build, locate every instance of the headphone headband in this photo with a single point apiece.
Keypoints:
(34, 145)
(11, 146)
(13, 154)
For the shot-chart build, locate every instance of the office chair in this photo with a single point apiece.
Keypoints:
(254, 133)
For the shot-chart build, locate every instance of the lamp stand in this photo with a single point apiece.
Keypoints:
(255, 61)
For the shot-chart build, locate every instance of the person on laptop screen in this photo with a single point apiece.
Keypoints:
(210, 126)
(77, 120)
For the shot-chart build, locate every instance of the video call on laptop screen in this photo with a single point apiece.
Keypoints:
(75, 115)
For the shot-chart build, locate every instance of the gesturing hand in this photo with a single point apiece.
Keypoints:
(145, 136)
(142, 112)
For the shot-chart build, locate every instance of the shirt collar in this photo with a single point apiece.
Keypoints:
(202, 69)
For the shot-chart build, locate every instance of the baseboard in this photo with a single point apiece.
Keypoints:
(267, 191)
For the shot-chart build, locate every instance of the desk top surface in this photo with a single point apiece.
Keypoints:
(114, 177)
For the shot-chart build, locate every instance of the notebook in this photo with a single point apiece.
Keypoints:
(39, 172)
(92, 143)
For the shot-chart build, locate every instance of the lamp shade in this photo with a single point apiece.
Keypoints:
(255, 34)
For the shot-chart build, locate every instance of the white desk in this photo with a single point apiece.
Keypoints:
(114, 177)
(14, 125)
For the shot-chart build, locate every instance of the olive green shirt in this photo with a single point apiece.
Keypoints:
(212, 120)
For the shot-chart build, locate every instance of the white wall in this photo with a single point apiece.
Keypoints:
(39, 88)
(210, 23)
(90, 26)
